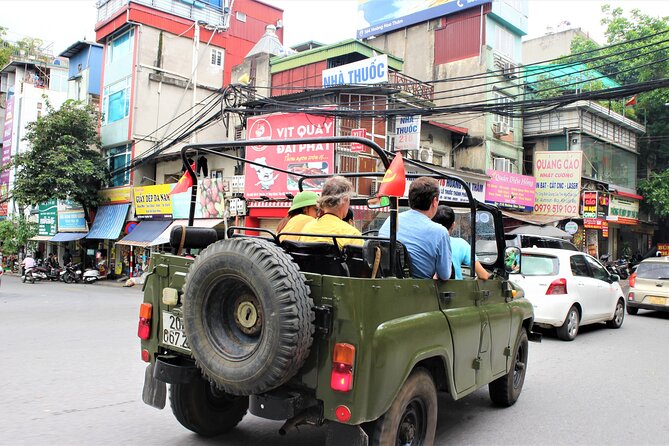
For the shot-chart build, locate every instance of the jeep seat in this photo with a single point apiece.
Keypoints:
(191, 237)
(317, 257)
(402, 267)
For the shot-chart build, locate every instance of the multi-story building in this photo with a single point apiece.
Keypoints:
(164, 66)
(27, 82)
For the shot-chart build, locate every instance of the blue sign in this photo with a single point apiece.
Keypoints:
(72, 221)
(382, 16)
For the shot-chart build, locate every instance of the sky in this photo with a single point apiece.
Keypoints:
(63, 22)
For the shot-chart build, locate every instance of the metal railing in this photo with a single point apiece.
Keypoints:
(411, 85)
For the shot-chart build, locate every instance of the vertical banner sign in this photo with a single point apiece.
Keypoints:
(589, 204)
(356, 146)
(48, 216)
(305, 159)
(6, 152)
(558, 177)
(407, 133)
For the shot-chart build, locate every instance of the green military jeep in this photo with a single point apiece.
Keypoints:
(340, 338)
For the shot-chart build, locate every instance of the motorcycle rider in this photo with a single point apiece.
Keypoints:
(28, 263)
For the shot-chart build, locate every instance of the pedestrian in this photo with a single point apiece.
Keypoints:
(334, 203)
(461, 251)
(67, 257)
(303, 210)
(427, 242)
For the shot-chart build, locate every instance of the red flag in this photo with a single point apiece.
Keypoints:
(394, 181)
(185, 182)
(631, 101)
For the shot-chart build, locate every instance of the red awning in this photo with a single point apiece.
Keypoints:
(450, 128)
(628, 195)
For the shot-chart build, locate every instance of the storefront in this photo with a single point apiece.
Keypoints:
(135, 248)
(104, 233)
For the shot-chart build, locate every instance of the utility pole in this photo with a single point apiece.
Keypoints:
(196, 49)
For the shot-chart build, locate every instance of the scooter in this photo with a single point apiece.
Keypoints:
(71, 273)
(33, 274)
(53, 273)
(91, 275)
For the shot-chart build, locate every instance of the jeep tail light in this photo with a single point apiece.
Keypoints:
(144, 328)
(343, 358)
(633, 279)
(146, 357)
(558, 286)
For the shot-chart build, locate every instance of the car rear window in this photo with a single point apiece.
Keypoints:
(539, 265)
(652, 270)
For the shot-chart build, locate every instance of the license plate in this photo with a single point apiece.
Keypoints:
(657, 300)
(173, 331)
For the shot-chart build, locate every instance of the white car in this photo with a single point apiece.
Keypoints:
(569, 289)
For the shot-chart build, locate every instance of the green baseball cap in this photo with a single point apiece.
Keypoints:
(304, 199)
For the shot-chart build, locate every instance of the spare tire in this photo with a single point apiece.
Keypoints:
(248, 315)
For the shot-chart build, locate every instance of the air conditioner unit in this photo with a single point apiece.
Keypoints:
(500, 128)
(426, 155)
(509, 70)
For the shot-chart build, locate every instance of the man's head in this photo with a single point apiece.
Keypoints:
(444, 216)
(424, 195)
(336, 196)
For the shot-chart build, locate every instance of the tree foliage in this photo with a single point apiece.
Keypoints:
(14, 233)
(64, 159)
(6, 48)
(655, 190)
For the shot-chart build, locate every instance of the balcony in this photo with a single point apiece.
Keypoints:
(190, 9)
(410, 86)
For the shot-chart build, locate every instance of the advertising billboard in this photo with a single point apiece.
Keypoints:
(48, 217)
(153, 201)
(381, 16)
(373, 70)
(510, 190)
(6, 151)
(71, 217)
(558, 177)
(309, 159)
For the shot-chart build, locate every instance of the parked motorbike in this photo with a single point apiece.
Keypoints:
(610, 266)
(623, 268)
(33, 274)
(75, 274)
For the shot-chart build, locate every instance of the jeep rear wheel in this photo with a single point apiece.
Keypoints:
(412, 417)
(199, 407)
(248, 315)
(505, 391)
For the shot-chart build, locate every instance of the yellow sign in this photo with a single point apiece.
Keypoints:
(152, 201)
(116, 195)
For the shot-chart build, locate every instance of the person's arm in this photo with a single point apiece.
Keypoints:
(481, 272)
(444, 259)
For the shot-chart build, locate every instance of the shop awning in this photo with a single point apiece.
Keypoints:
(68, 236)
(145, 233)
(109, 221)
(532, 218)
(200, 223)
(41, 238)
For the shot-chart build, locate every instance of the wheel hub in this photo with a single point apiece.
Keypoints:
(248, 314)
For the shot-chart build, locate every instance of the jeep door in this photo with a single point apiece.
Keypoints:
(458, 301)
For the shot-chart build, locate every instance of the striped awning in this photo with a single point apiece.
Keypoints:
(109, 222)
(145, 233)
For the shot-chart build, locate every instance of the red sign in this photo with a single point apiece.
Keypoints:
(356, 146)
(597, 223)
(663, 248)
(307, 159)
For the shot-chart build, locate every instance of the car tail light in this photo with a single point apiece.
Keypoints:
(145, 356)
(144, 328)
(343, 358)
(630, 296)
(558, 286)
(633, 279)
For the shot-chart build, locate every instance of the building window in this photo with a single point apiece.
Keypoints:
(118, 160)
(502, 165)
(119, 47)
(241, 16)
(216, 57)
(505, 103)
(504, 42)
(116, 101)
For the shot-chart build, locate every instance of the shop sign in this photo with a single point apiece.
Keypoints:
(153, 201)
(71, 217)
(373, 70)
(48, 218)
(558, 183)
(450, 190)
(663, 248)
(571, 227)
(623, 210)
(307, 159)
(510, 190)
(116, 195)
(407, 133)
(597, 223)
(356, 146)
(589, 204)
(6, 149)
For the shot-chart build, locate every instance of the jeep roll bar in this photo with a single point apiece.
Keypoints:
(218, 148)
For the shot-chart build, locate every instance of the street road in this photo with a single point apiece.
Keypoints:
(71, 374)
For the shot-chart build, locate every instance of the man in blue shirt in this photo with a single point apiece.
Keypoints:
(461, 251)
(427, 242)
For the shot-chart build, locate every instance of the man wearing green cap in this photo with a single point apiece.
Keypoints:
(303, 210)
